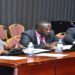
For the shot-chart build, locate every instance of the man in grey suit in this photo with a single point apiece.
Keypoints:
(70, 36)
(42, 30)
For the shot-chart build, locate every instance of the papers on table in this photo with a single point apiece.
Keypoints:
(12, 57)
(36, 50)
(51, 55)
(65, 47)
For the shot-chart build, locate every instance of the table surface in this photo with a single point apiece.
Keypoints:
(43, 65)
(35, 59)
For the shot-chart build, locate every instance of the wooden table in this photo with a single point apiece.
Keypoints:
(66, 65)
(42, 65)
(30, 66)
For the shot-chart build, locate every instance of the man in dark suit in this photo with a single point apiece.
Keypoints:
(70, 36)
(43, 29)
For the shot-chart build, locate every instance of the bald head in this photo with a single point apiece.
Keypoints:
(43, 28)
(43, 24)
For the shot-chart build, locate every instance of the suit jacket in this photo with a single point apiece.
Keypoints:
(30, 36)
(70, 36)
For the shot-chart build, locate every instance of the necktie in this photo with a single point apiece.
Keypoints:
(41, 40)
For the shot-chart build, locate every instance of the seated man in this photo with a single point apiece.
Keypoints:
(11, 44)
(42, 36)
(70, 36)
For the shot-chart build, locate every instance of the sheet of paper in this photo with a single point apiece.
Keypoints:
(67, 47)
(12, 57)
(51, 55)
(36, 50)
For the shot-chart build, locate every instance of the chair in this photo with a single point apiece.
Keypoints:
(16, 29)
(3, 33)
(60, 26)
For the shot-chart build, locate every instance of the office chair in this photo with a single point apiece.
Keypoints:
(16, 29)
(60, 26)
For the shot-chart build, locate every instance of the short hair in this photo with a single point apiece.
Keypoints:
(39, 24)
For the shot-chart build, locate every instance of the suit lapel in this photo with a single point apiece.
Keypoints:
(35, 37)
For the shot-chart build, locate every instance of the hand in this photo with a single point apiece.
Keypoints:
(3, 51)
(51, 46)
(19, 46)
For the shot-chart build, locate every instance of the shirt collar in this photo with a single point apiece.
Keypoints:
(37, 33)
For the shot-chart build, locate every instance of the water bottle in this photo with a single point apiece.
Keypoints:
(59, 48)
(30, 49)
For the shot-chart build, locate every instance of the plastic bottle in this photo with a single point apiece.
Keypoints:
(59, 48)
(30, 49)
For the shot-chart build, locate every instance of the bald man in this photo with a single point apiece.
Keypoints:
(42, 36)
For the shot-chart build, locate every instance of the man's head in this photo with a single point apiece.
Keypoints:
(43, 28)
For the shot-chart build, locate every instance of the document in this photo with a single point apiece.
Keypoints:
(12, 57)
(36, 50)
(52, 55)
(67, 47)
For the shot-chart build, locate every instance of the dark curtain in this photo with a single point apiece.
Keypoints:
(28, 12)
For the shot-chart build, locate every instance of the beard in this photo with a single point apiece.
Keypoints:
(42, 34)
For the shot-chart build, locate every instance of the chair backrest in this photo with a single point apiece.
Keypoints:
(16, 29)
(3, 32)
(60, 26)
